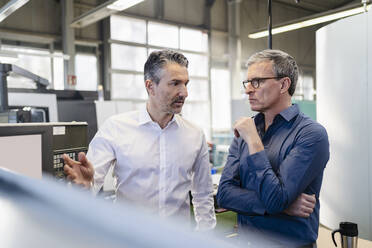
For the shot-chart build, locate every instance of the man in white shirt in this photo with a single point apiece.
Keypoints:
(159, 155)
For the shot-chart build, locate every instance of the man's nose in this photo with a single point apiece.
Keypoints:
(183, 91)
(249, 89)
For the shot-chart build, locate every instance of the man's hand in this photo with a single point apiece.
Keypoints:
(303, 206)
(246, 128)
(81, 172)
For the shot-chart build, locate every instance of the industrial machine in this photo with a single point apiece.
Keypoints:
(36, 149)
(21, 107)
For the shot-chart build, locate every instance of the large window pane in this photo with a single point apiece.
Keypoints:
(198, 113)
(193, 40)
(34, 60)
(305, 87)
(163, 35)
(58, 69)
(128, 29)
(127, 86)
(86, 72)
(197, 90)
(198, 64)
(221, 99)
(128, 57)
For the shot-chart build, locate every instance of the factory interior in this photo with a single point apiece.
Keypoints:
(70, 69)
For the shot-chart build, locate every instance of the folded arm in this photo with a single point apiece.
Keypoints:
(305, 161)
(250, 186)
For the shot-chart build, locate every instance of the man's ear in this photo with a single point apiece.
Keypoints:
(149, 84)
(286, 83)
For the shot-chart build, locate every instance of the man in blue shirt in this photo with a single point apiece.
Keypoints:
(274, 170)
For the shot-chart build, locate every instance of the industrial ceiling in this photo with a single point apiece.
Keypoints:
(316, 5)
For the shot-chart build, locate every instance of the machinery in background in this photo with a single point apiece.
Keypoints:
(41, 105)
(36, 149)
(68, 138)
(37, 104)
(30, 112)
(78, 106)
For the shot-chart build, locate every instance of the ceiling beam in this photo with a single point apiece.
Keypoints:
(305, 5)
(344, 3)
(10, 7)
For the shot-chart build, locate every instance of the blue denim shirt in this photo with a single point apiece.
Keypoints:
(260, 186)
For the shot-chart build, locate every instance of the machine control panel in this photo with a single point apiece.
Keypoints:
(58, 162)
(43, 145)
(70, 139)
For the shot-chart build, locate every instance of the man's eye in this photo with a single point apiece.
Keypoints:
(175, 83)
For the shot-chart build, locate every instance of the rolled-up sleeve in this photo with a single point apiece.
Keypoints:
(202, 191)
(101, 154)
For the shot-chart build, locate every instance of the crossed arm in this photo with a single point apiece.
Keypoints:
(250, 186)
(242, 200)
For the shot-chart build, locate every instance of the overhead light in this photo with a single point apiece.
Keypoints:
(313, 20)
(102, 11)
(120, 5)
(7, 57)
(10, 7)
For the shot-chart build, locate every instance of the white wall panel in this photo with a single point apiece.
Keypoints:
(345, 109)
(369, 82)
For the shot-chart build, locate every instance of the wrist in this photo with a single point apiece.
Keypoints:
(255, 147)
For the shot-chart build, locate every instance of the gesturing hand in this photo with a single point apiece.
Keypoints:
(303, 206)
(80, 172)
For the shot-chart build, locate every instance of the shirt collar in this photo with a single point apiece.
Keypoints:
(144, 117)
(287, 114)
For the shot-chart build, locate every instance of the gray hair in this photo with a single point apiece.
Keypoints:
(158, 59)
(284, 65)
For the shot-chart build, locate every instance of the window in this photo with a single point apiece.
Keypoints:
(128, 57)
(86, 72)
(163, 35)
(58, 69)
(128, 29)
(221, 99)
(197, 90)
(50, 65)
(37, 61)
(198, 64)
(305, 87)
(127, 86)
(193, 40)
(199, 114)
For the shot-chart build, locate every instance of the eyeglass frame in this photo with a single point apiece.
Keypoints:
(259, 81)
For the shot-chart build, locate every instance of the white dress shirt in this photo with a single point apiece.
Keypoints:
(156, 167)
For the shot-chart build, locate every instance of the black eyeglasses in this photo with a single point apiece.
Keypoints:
(256, 82)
